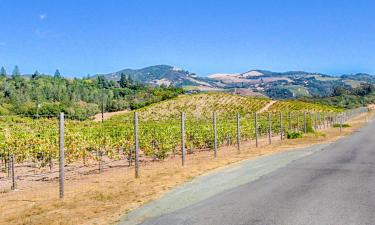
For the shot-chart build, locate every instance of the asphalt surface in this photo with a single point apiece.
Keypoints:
(332, 186)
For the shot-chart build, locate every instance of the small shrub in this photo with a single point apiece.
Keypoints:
(309, 129)
(337, 125)
(294, 135)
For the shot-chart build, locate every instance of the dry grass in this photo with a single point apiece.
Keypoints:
(108, 115)
(103, 198)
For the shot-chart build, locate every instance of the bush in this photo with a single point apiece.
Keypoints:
(294, 135)
(337, 125)
(309, 129)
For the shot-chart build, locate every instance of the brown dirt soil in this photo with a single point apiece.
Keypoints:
(266, 107)
(103, 198)
(107, 115)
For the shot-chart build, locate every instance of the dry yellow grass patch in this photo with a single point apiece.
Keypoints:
(103, 198)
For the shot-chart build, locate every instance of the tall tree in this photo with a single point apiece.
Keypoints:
(123, 80)
(16, 71)
(3, 72)
(35, 74)
(57, 74)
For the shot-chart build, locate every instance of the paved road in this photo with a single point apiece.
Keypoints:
(333, 186)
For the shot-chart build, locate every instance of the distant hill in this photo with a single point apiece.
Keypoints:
(162, 75)
(278, 85)
(291, 84)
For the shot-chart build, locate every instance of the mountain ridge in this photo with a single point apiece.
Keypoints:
(279, 85)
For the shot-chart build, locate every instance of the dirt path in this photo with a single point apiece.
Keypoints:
(266, 107)
(107, 115)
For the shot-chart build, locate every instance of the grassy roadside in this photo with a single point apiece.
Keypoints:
(103, 198)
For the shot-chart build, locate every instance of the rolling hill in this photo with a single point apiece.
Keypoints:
(225, 105)
(162, 75)
(277, 85)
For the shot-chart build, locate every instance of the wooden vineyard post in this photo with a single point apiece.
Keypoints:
(315, 121)
(13, 174)
(256, 129)
(183, 151)
(304, 123)
(215, 134)
(131, 156)
(320, 121)
(9, 165)
(136, 145)
(61, 156)
(238, 132)
(269, 128)
(290, 121)
(341, 120)
(281, 126)
(298, 126)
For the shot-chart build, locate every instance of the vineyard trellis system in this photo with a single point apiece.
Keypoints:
(44, 139)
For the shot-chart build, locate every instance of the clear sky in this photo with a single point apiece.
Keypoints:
(83, 37)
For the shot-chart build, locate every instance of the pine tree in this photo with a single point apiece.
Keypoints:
(3, 72)
(35, 74)
(57, 74)
(123, 80)
(16, 71)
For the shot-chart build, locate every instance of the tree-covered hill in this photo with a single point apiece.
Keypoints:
(80, 98)
(161, 75)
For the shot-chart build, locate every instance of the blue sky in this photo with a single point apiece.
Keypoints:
(83, 37)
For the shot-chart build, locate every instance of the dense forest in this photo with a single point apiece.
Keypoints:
(39, 94)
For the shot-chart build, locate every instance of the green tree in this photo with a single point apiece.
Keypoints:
(123, 81)
(16, 71)
(35, 74)
(57, 74)
(3, 72)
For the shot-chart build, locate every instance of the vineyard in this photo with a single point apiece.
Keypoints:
(35, 140)
(201, 106)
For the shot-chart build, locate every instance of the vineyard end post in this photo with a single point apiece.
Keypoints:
(136, 145)
(61, 156)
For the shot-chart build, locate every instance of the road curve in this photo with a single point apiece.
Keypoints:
(332, 186)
